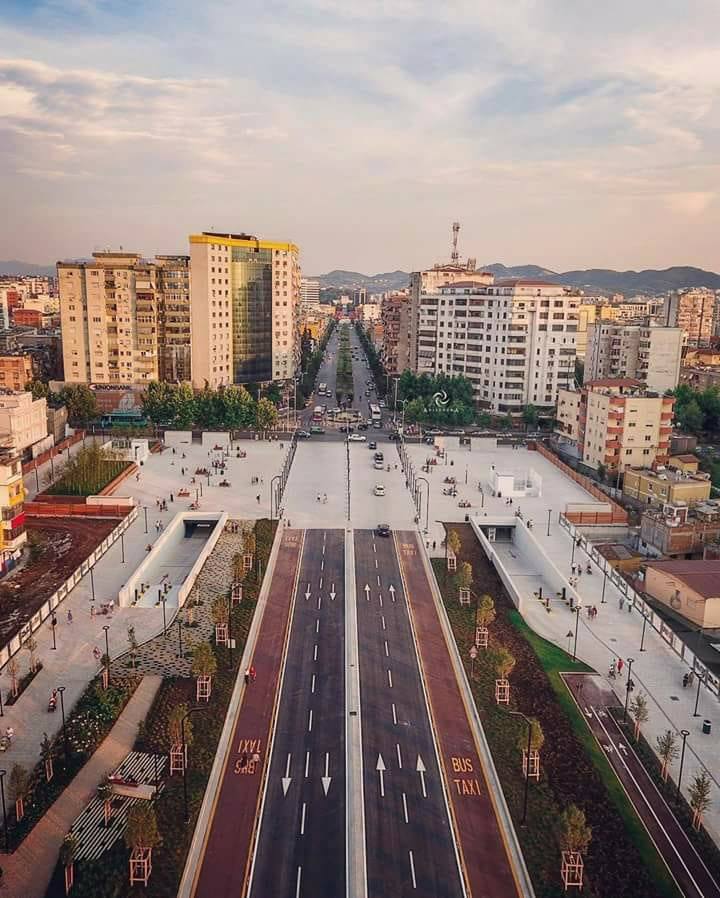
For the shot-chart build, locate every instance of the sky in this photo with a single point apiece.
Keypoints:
(564, 133)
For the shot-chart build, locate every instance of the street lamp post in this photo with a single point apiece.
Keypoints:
(184, 751)
(61, 690)
(145, 510)
(53, 624)
(3, 773)
(427, 502)
(697, 695)
(642, 638)
(162, 599)
(684, 734)
(630, 662)
(122, 548)
(273, 490)
(180, 652)
(92, 583)
(107, 651)
(548, 527)
(602, 597)
(577, 627)
(527, 765)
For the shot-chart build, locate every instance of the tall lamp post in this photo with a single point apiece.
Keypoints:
(577, 627)
(697, 694)
(273, 490)
(684, 734)
(642, 638)
(630, 662)
(184, 750)
(527, 766)
(427, 502)
(3, 774)
(107, 651)
(61, 690)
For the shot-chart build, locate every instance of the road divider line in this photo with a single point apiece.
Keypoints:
(387, 652)
(317, 625)
(307, 764)
(389, 678)
(302, 821)
(297, 882)
(405, 810)
(412, 870)
(382, 618)
(394, 714)
(399, 755)
(315, 652)
(310, 715)
(312, 684)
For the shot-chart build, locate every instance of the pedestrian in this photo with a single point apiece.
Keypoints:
(69, 616)
(247, 676)
(10, 735)
(96, 653)
(621, 602)
(572, 568)
(434, 544)
(137, 477)
(589, 612)
(620, 665)
(258, 498)
(579, 570)
(255, 759)
(171, 497)
(92, 611)
(253, 674)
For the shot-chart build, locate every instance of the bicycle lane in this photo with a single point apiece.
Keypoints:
(594, 698)
(225, 858)
(487, 866)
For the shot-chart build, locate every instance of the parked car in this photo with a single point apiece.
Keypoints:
(382, 530)
(379, 489)
(362, 426)
(372, 444)
(382, 403)
(303, 434)
(429, 440)
(395, 437)
(315, 428)
(346, 428)
(357, 438)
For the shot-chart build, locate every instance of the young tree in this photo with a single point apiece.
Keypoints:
(530, 417)
(46, 755)
(105, 794)
(537, 737)
(68, 851)
(19, 786)
(238, 407)
(504, 663)
(183, 406)
(700, 800)
(175, 727)
(13, 669)
(266, 415)
(575, 834)
(142, 830)
(453, 542)
(464, 576)
(219, 610)
(157, 402)
(204, 662)
(30, 646)
(485, 611)
(667, 751)
(639, 712)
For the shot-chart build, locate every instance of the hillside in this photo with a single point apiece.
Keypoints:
(12, 266)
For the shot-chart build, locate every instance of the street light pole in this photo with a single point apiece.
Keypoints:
(602, 597)
(642, 638)
(145, 510)
(122, 548)
(684, 734)
(630, 662)
(180, 653)
(548, 527)
(527, 763)
(577, 627)
(53, 624)
(3, 773)
(107, 651)
(427, 502)
(61, 690)
(697, 696)
(92, 583)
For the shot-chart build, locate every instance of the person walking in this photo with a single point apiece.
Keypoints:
(69, 616)
(620, 665)
(247, 676)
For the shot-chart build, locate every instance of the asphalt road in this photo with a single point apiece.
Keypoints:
(410, 849)
(224, 862)
(301, 847)
(485, 855)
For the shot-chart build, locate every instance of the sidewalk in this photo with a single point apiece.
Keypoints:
(29, 869)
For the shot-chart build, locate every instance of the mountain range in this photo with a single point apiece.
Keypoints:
(592, 280)
(13, 267)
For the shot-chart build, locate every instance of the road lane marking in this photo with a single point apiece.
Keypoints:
(367, 592)
(387, 651)
(302, 821)
(382, 618)
(389, 678)
(327, 779)
(376, 564)
(322, 565)
(392, 592)
(412, 869)
(312, 684)
(420, 767)
(378, 579)
(381, 601)
(287, 779)
(319, 602)
(310, 721)
(317, 625)
(321, 582)
(307, 763)
(315, 653)
(374, 546)
(405, 812)
(399, 756)
(297, 883)
(380, 767)
(332, 592)
(307, 592)
(394, 712)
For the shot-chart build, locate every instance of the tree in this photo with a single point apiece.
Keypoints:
(19, 786)
(38, 388)
(575, 834)
(81, 403)
(207, 412)
(133, 643)
(13, 668)
(219, 610)
(30, 646)
(639, 711)
(266, 415)
(142, 828)
(700, 800)
(183, 406)
(274, 393)
(485, 614)
(238, 407)
(690, 417)
(105, 793)
(204, 662)
(537, 737)
(175, 727)
(46, 755)
(667, 751)
(68, 851)
(530, 417)
(464, 576)
(504, 663)
(453, 542)
(157, 403)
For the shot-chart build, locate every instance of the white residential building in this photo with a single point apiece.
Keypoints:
(309, 294)
(514, 339)
(651, 355)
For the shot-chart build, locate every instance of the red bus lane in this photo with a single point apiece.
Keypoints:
(225, 857)
(485, 858)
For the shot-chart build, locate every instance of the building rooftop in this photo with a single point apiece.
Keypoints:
(618, 382)
(702, 576)
(526, 282)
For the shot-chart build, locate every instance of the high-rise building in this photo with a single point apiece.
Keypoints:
(395, 316)
(118, 311)
(245, 304)
(693, 310)
(309, 293)
(514, 339)
(616, 423)
(588, 314)
(651, 355)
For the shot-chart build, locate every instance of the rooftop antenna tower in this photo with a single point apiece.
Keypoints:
(455, 255)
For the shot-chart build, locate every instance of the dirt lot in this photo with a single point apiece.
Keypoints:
(57, 547)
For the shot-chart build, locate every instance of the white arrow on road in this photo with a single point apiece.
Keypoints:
(326, 779)
(420, 767)
(287, 779)
(380, 767)
(367, 592)
(392, 592)
(622, 747)
(332, 593)
(307, 592)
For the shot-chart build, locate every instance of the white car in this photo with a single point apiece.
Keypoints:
(379, 489)
(382, 403)
(357, 438)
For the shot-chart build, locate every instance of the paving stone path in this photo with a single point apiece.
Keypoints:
(160, 655)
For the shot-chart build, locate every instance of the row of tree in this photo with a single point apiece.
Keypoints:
(231, 407)
(79, 398)
(697, 410)
(311, 359)
(373, 357)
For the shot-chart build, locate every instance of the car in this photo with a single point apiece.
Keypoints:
(362, 425)
(372, 444)
(315, 428)
(382, 403)
(395, 437)
(357, 438)
(379, 489)
(377, 424)
(382, 530)
(428, 439)
(303, 434)
(346, 428)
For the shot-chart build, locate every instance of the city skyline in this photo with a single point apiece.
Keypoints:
(561, 136)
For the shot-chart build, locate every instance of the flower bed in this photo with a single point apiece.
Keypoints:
(573, 768)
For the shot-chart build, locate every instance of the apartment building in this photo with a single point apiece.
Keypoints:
(309, 293)
(678, 531)
(125, 320)
(23, 424)
(12, 514)
(590, 313)
(666, 486)
(616, 423)
(514, 339)
(651, 355)
(694, 310)
(245, 301)
(395, 317)
(16, 371)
